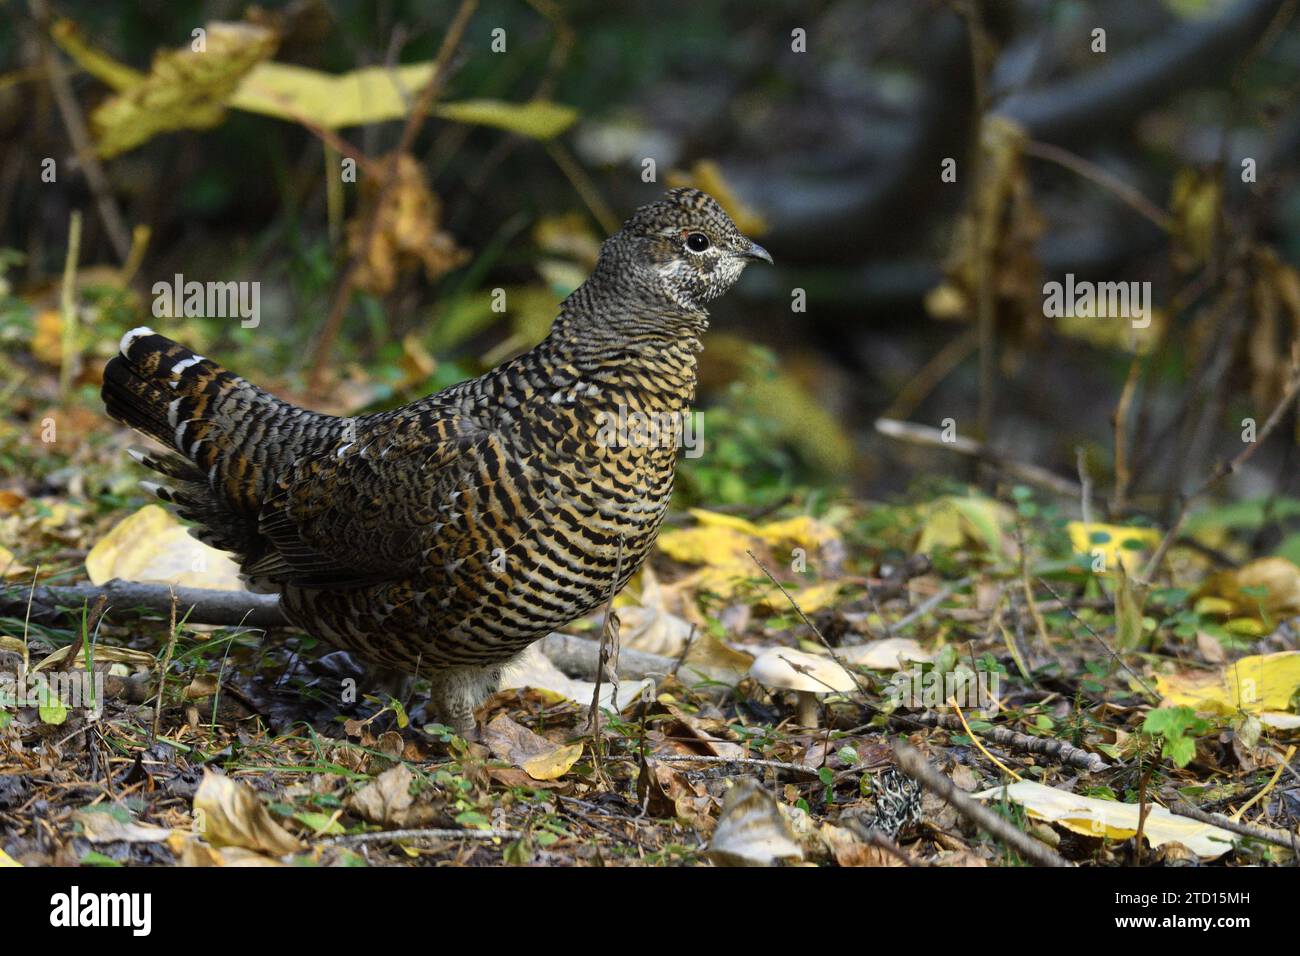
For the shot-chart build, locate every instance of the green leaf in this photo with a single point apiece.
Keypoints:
(1180, 750)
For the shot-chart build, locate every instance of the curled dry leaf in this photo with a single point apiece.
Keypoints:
(408, 232)
(107, 826)
(535, 755)
(751, 830)
(387, 799)
(230, 813)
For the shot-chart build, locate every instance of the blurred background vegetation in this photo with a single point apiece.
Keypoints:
(923, 298)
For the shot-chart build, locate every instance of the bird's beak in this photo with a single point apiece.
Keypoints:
(755, 251)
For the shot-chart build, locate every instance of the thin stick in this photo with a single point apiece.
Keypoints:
(1224, 470)
(952, 702)
(1094, 173)
(162, 672)
(923, 772)
(932, 437)
(1100, 640)
(75, 124)
(608, 640)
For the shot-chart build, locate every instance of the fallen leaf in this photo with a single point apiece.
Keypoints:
(1113, 820)
(1267, 586)
(650, 626)
(751, 830)
(1115, 543)
(10, 566)
(1261, 684)
(386, 799)
(153, 546)
(536, 756)
(230, 813)
(104, 826)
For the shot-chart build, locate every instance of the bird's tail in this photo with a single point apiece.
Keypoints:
(230, 439)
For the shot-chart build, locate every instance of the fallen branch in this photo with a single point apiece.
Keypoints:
(919, 769)
(1051, 747)
(51, 604)
(1267, 835)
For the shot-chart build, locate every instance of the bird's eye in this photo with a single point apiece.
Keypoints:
(697, 242)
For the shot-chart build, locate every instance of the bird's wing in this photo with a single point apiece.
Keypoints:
(366, 511)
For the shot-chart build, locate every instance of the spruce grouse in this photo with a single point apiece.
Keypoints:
(449, 534)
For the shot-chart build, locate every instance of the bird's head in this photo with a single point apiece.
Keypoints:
(683, 248)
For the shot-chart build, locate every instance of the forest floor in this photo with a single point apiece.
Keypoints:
(986, 638)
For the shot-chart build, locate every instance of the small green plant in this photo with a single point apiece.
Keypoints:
(1176, 729)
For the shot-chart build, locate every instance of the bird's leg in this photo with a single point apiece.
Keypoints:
(385, 682)
(457, 691)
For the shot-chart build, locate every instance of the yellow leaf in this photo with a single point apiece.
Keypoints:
(1268, 586)
(537, 119)
(954, 521)
(369, 95)
(815, 597)
(1116, 543)
(152, 546)
(95, 62)
(185, 89)
(535, 755)
(708, 544)
(47, 342)
(1116, 821)
(1261, 682)
(803, 531)
(10, 566)
(7, 860)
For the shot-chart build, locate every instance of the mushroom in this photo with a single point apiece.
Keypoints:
(806, 674)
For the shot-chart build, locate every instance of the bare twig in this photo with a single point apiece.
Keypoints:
(75, 124)
(1100, 640)
(934, 438)
(1091, 171)
(919, 769)
(1051, 747)
(1225, 469)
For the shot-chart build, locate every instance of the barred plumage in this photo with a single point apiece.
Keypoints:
(452, 532)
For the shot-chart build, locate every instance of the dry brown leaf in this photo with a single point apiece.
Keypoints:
(536, 756)
(387, 799)
(408, 232)
(230, 813)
